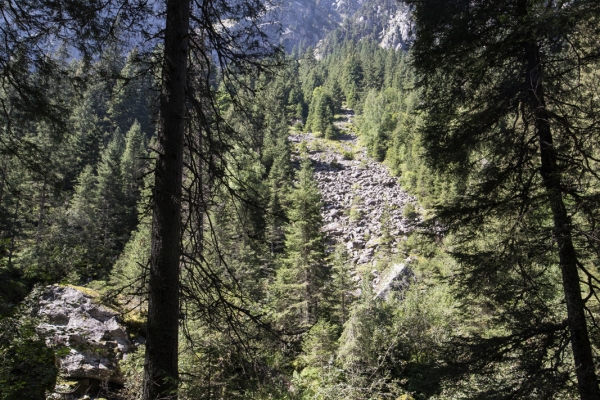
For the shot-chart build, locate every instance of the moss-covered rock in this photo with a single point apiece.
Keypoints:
(92, 336)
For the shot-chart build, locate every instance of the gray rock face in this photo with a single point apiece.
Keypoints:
(398, 33)
(309, 22)
(95, 338)
(305, 21)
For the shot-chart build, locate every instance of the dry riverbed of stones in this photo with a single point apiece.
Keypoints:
(357, 191)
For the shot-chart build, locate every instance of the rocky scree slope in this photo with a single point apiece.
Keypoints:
(357, 193)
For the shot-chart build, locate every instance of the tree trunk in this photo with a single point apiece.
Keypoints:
(549, 170)
(161, 372)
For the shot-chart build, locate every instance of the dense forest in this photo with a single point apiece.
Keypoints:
(174, 165)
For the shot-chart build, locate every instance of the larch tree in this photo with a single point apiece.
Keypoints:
(510, 110)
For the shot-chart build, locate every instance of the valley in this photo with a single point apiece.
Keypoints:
(299, 200)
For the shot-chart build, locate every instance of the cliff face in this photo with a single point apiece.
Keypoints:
(316, 22)
(305, 22)
(397, 30)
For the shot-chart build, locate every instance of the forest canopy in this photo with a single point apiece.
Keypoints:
(227, 200)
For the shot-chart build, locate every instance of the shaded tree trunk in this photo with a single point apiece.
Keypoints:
(161, 371)
(549, 170)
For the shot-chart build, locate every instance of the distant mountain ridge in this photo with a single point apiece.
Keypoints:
(318, 23)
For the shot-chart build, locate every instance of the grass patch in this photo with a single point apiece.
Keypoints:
(92, 293)
(348, 155)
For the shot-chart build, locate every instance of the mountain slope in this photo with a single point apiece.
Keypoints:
(364, 208)
(317, 23)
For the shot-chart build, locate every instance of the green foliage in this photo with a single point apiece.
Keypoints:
(298, 287)
(499, 100)
(27, 370)
(132, 369)
(339, 299)
(320, 116)
(348, 155)
(355, 212)
(131, 100)
(409, 211)
(352, 75)
(317, 360)
(80, 211)
(391, 346)
(379, 121)
(133, 167)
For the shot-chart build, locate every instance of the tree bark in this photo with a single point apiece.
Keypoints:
(161, 363)
(549, 170)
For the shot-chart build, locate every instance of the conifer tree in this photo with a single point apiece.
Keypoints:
(339, 298)
(86, 143)
(509, 111)
(298, 289)
(279, 183)
(133, 166)
(84, 224)
(275, 220)
(131, 99)
(320, 115)
(353, 79)
(109, 194)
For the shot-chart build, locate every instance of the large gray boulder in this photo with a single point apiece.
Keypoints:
(397, 279)
(94, 338)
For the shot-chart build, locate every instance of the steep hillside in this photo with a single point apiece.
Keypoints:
(320, 23)
(364, 209)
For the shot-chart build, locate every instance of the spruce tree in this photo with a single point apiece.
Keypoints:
(279, 183)
(275, 220)
(133, 167)
(84, 227)
(509, 113)
(131, 101)
(109, 194)
(320, 115)
(352, 76)
(298, 289)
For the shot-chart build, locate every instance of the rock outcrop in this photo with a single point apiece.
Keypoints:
(93, 337)
(311, 23)
(398, 32)
(396, 279)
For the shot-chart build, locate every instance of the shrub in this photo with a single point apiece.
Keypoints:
(27, 369)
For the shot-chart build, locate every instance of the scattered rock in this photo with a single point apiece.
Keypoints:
(354, 199)
(372, 243)
(332, 228)
(375, 190)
